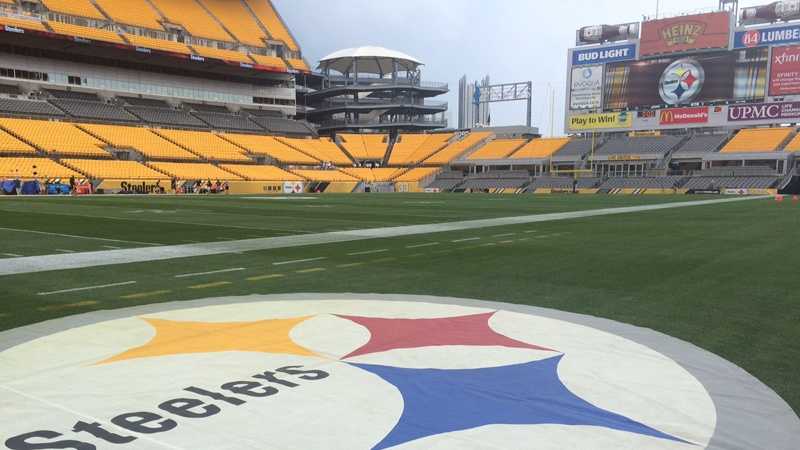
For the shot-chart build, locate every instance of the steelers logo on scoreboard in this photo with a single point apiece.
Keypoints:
(332, 373)
(681, 81)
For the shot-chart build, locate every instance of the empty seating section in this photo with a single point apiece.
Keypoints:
(298, 64)
(114, 169)
(84, 8)
(323, 149)
(552, 182)
(55, 137)
(137, 101)
(655, 145)
(142, 140)
(707, 143)
(260, 172)
(540, 148)
(669, 182)
(9, 89)
(10, 144)
(28, 107)
(497, 149)
(227, 121)
(131, 12)
(226, 55)
(757, 140)
(94, 110)
(793, 145)
(194, 171)
(506, 179)
(34, 168)
(31, 24)
(92, 33)
(707, 183)
(269, 18)
(158, 44)
(166, 116)
(379, 175)
(576, 149)
(207, 145)
(455, 149)
(324, 175)
(269, 61)
(270, 147)
(447, 180)
(192, 17)
(413, 148)
(238, 20)
(365, 146)
(417, 174)
(72, 95)
(283, 126)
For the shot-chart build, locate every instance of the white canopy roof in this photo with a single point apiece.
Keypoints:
(377, 60)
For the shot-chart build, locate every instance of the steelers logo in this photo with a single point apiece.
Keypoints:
(356, 372)
(681, 81)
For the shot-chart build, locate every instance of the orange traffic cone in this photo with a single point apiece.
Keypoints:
(779, 199)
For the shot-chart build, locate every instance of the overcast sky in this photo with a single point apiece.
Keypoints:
(510, 40)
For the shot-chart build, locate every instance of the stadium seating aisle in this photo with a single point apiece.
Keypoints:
(92, 33)
(794, 145)
(101, 169)
(269, 18)
(27, 168)
(497, 149)
(131, 12)
(143, 140)
(378, 175)
(260, 172)
(238, 20)
(412, 148)
(455, 149)
(208, 145)
(10, 145)
(366, 147)
(270, 147)
(755, 140)
(324, 175)
(83, 8)
(323, 149)
(194, 171)
(540, 148)
(55, 137)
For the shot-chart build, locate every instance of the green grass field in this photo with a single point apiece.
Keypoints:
(724, 277)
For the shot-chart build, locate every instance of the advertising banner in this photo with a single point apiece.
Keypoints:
(764, 111)
(603, 55)
(683, 116)
(586, 88)
(599, 121)
(765, 37)
(784, 77)
(677, 81)
(685, 33)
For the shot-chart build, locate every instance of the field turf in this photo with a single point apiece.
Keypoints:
(724, 277)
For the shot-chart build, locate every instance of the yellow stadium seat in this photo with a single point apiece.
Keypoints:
(298, 64)
(95, 34)
(497, 149)
(56, 137)
(269, 61)
(379, 175)
(142, 140)
(208, 145)
(260, 172)
(42, 168)
(10, 144)
(412, 148)
(32, 24)
(269, 18)
(328, 176)
(322, 149)
(417, 174)
(757, 140)
(103, 169)
(158, 44)
(794, 145)
(540, 148)
(192, 17)
(365, 146)
(455, 149)
(236, 18)
(270, 147)
(194, 171)
(131, 12)
(225, 55)
(83, 8)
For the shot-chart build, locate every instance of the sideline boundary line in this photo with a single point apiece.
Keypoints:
(34, 264)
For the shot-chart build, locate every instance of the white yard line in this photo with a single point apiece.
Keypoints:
(369, 252)
(32, 264)
(73, 236)
(504, 235)
(63, 250)
(110, 247)
(11, 255)
(86, 288)
(212, 272)
(429, 244)
(298, 261)
(466, 240)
